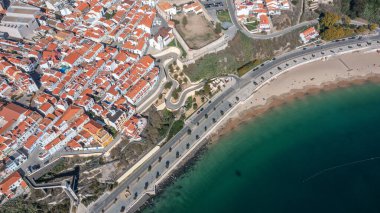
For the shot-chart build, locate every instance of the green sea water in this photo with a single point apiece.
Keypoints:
(318, 154)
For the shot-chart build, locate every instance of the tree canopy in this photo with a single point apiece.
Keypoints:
(367, 9)
(329, 19)
(336, 32)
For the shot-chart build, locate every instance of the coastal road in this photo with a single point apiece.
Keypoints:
(337, 47)
(232, 11)
(145, 177)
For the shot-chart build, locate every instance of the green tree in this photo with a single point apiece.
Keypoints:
(189, 103)
(168, 85)
(329, 19)
(207, 88)
(346, 20)
(373, 26)
(195, 106)
(336, 33)
(175, 94)
(361, 29)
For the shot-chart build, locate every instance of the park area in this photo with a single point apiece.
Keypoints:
(195, 29)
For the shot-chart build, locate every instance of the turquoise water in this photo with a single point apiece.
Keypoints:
(312, 155)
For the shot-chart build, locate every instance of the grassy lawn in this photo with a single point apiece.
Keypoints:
(251, 26)
(176, 127)
(223, 16)
(173, 44)
(240, 52)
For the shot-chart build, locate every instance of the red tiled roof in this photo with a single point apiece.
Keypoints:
(8, 182)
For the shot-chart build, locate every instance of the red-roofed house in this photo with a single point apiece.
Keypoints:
(146, 23)
(264, 23)
(97, 131)
(10, 116)
(72, 113)
(166, 10)
(72, 59)
(12, 186)
(193, 7)
(308, 34)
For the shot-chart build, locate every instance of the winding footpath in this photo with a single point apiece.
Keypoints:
(164, 60)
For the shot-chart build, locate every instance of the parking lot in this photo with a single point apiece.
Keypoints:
(212, 6)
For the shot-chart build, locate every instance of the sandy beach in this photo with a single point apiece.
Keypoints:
(328, 74)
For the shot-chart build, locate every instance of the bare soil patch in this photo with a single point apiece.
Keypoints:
(195, 30)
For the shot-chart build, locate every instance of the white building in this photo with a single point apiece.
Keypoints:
(162, 38)
(19, 21)
(151, 3)
(308, 35)
(166, 10)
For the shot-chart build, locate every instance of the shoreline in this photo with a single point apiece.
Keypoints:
(242, 117)
(341, 71)
(297, 83)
